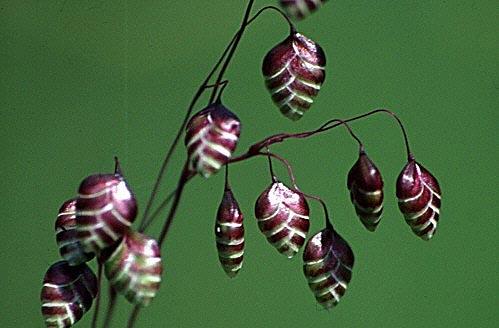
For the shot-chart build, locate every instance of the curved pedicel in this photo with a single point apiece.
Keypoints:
(211, 138)
(419, 196)
(67, 294)
(134, 268)
(366, 191)
(294, 73)
(229, 232)
(69, 245)
(105, 209)
(283, 217)
(328, 262)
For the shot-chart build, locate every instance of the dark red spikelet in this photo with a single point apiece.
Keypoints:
(211, 138)
(283, 217)
(134, 268)
(105, 209)
(66, 235)
(301, 8)
(419, 196)
(67, 294)
(294, 73)
(229, 232)
(328, 262)
(366, 191)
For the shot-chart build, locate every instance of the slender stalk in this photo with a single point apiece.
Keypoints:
(133, 316)
(156, 212)
(292, 28)
(174, 144)
(111, 306)
(232, 50)
(280, 137)
(98, 298)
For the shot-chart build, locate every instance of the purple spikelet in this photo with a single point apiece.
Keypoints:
(67, 294)
(229, 231)
(301, 8)
(419, 196)
(283, 217)
(294, 73)
(328, 262)
(69, 245)
(366, 191)
(211, 138)
(105, 209)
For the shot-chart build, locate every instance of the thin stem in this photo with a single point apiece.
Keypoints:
(110, 308)
(145, 224)
(222, 88)
(280, 137)
(227, 184)
(286, 163)
(324, 207)
(232, 50)
(347, 126)
(174, 144)
(133, 316)
(117, 166)
(271, 168)
(283, 14)
(98, 298)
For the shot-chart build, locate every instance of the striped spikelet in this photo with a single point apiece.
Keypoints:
(294, 73)
(229, 231)
(419, 196)
(301, 8)
(283, 217)
(366, 191)
(69, 245)
(67, 294)
(134, 268)
(328, 262)
(105, 209)
(211, 138)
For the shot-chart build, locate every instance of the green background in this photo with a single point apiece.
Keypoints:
(82, 81)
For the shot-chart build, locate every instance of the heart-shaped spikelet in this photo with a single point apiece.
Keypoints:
(67, 294)
(328, 262)
(294, 73)
(283, 217)
(300, 9)
(366, 191)
(211, 138)
(69, 245)
(134, 268)
(229, 231)
(419, 196)
(105, 209)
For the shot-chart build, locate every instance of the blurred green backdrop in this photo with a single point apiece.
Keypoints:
(84, 80)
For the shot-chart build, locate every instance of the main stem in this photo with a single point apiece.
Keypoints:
(186, 175)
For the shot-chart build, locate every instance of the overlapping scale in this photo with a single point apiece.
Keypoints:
(229, 232)
(67, 294)
(419, 195)
(294, 73)
(366, 191)
(328, 262)
(211, 138)
(69, 245)
(105, 209)
(301, 8)
(134, 268)
(283, 217)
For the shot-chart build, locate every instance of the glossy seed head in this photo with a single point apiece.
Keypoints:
(283, 217)
(211, 138)
(69, 245)
(294, 73)
(328, 262)
(134, 268)
(67, 294)
(300, 9)
(419, 196)
(229, 232)
(366, 191)
(105, 209)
